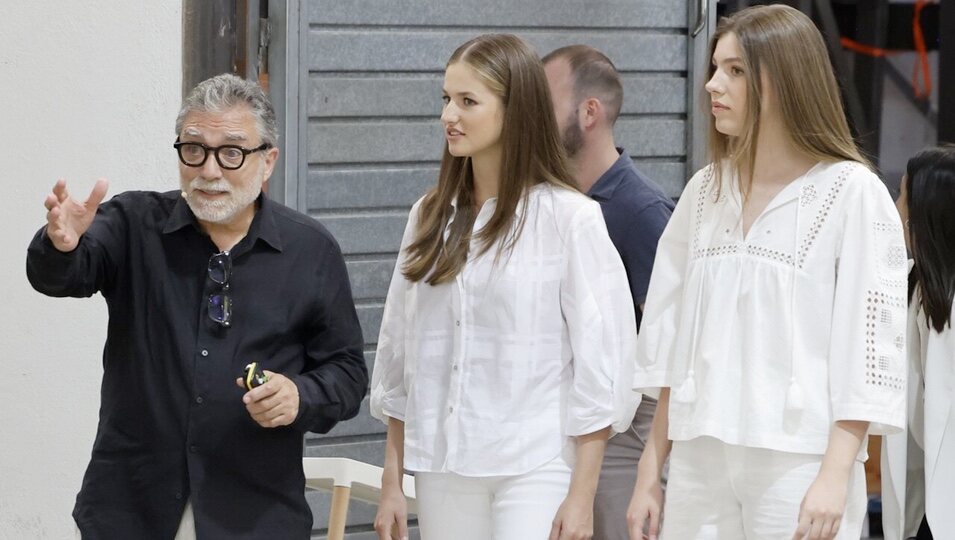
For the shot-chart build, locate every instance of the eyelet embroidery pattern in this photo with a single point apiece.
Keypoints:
(895, 257)
(808, 195)
(884, 363)
(757, 251)
(725, 249)
(879, 367)
(777, 256)
(700, 203)
(882, 226)
(893, 283)
(817, 223)
(703, 197)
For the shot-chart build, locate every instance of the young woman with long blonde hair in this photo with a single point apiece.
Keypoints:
(774, 324)
(506, 345)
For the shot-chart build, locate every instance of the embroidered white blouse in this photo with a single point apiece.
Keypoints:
(768, 339)
(493, 372)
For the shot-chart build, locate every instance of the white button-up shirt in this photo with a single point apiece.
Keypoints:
(768, 339)
(493, 372)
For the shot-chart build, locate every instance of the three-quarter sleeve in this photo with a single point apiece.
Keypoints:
(657, 342)
(599, 313)
(867, 361)
(389, 395)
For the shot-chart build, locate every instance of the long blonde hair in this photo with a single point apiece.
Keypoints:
(784, 42)
(532, 153)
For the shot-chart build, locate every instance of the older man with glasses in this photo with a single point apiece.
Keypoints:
(201, 282)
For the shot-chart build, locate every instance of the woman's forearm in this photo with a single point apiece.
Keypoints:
(658, 444)
(845, 439)
(590, 455)
(394, 455)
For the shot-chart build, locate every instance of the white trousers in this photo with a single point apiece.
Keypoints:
(718, 491)
(520, 507)
(187, 526)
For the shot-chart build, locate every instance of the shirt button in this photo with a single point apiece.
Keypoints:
(204, 352)
(199, 400)
(178, 495)
(454, 367)
(193, 448)
(457, 323)
(450, 409)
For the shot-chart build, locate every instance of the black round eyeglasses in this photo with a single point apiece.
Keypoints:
(228, 156)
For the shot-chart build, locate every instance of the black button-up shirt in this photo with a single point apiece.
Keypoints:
(172, 423)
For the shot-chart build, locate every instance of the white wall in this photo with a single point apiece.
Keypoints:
(87, 89)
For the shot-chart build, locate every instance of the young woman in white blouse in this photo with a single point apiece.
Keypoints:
(775, 320)
(506, 346)
(918, 473)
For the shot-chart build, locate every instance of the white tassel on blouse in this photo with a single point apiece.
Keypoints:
(686, 393)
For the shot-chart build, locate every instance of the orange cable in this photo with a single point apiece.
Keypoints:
(918, 38)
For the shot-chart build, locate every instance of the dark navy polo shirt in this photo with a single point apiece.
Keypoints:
(636, 211)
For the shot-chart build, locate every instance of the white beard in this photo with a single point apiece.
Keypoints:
(225, 209)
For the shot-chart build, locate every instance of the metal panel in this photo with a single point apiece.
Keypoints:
(400, 185)
(369, 185)
(378, 232)
(364, 424)
(415, 139)
(391, 50)
(502, 13)
(407, 95)
(697, 119)
(285, 87)
(369, 450)
(370, 318)
(370, 278)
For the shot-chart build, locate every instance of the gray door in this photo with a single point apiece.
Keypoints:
(361, 96)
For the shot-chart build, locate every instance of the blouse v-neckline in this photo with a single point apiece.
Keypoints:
(790, 191)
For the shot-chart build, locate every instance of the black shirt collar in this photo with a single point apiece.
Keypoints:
(263, 225)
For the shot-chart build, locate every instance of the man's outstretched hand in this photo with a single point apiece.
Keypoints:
(67, 219)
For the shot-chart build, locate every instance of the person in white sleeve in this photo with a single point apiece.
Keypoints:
(775, 319)
(505, 356)
(918, 467)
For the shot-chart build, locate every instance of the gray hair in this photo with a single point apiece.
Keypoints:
(225, 91)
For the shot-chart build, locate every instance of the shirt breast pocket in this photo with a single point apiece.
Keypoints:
(521, 296)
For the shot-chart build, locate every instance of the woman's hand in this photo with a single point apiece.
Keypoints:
(821, 510)
(574, 519)
(820, 513)
(646, 508)
(391, 522)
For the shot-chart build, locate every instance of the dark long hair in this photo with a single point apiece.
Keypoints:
(532, 153)
(930, 186)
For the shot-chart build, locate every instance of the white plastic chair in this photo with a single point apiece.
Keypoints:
(349, 479)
